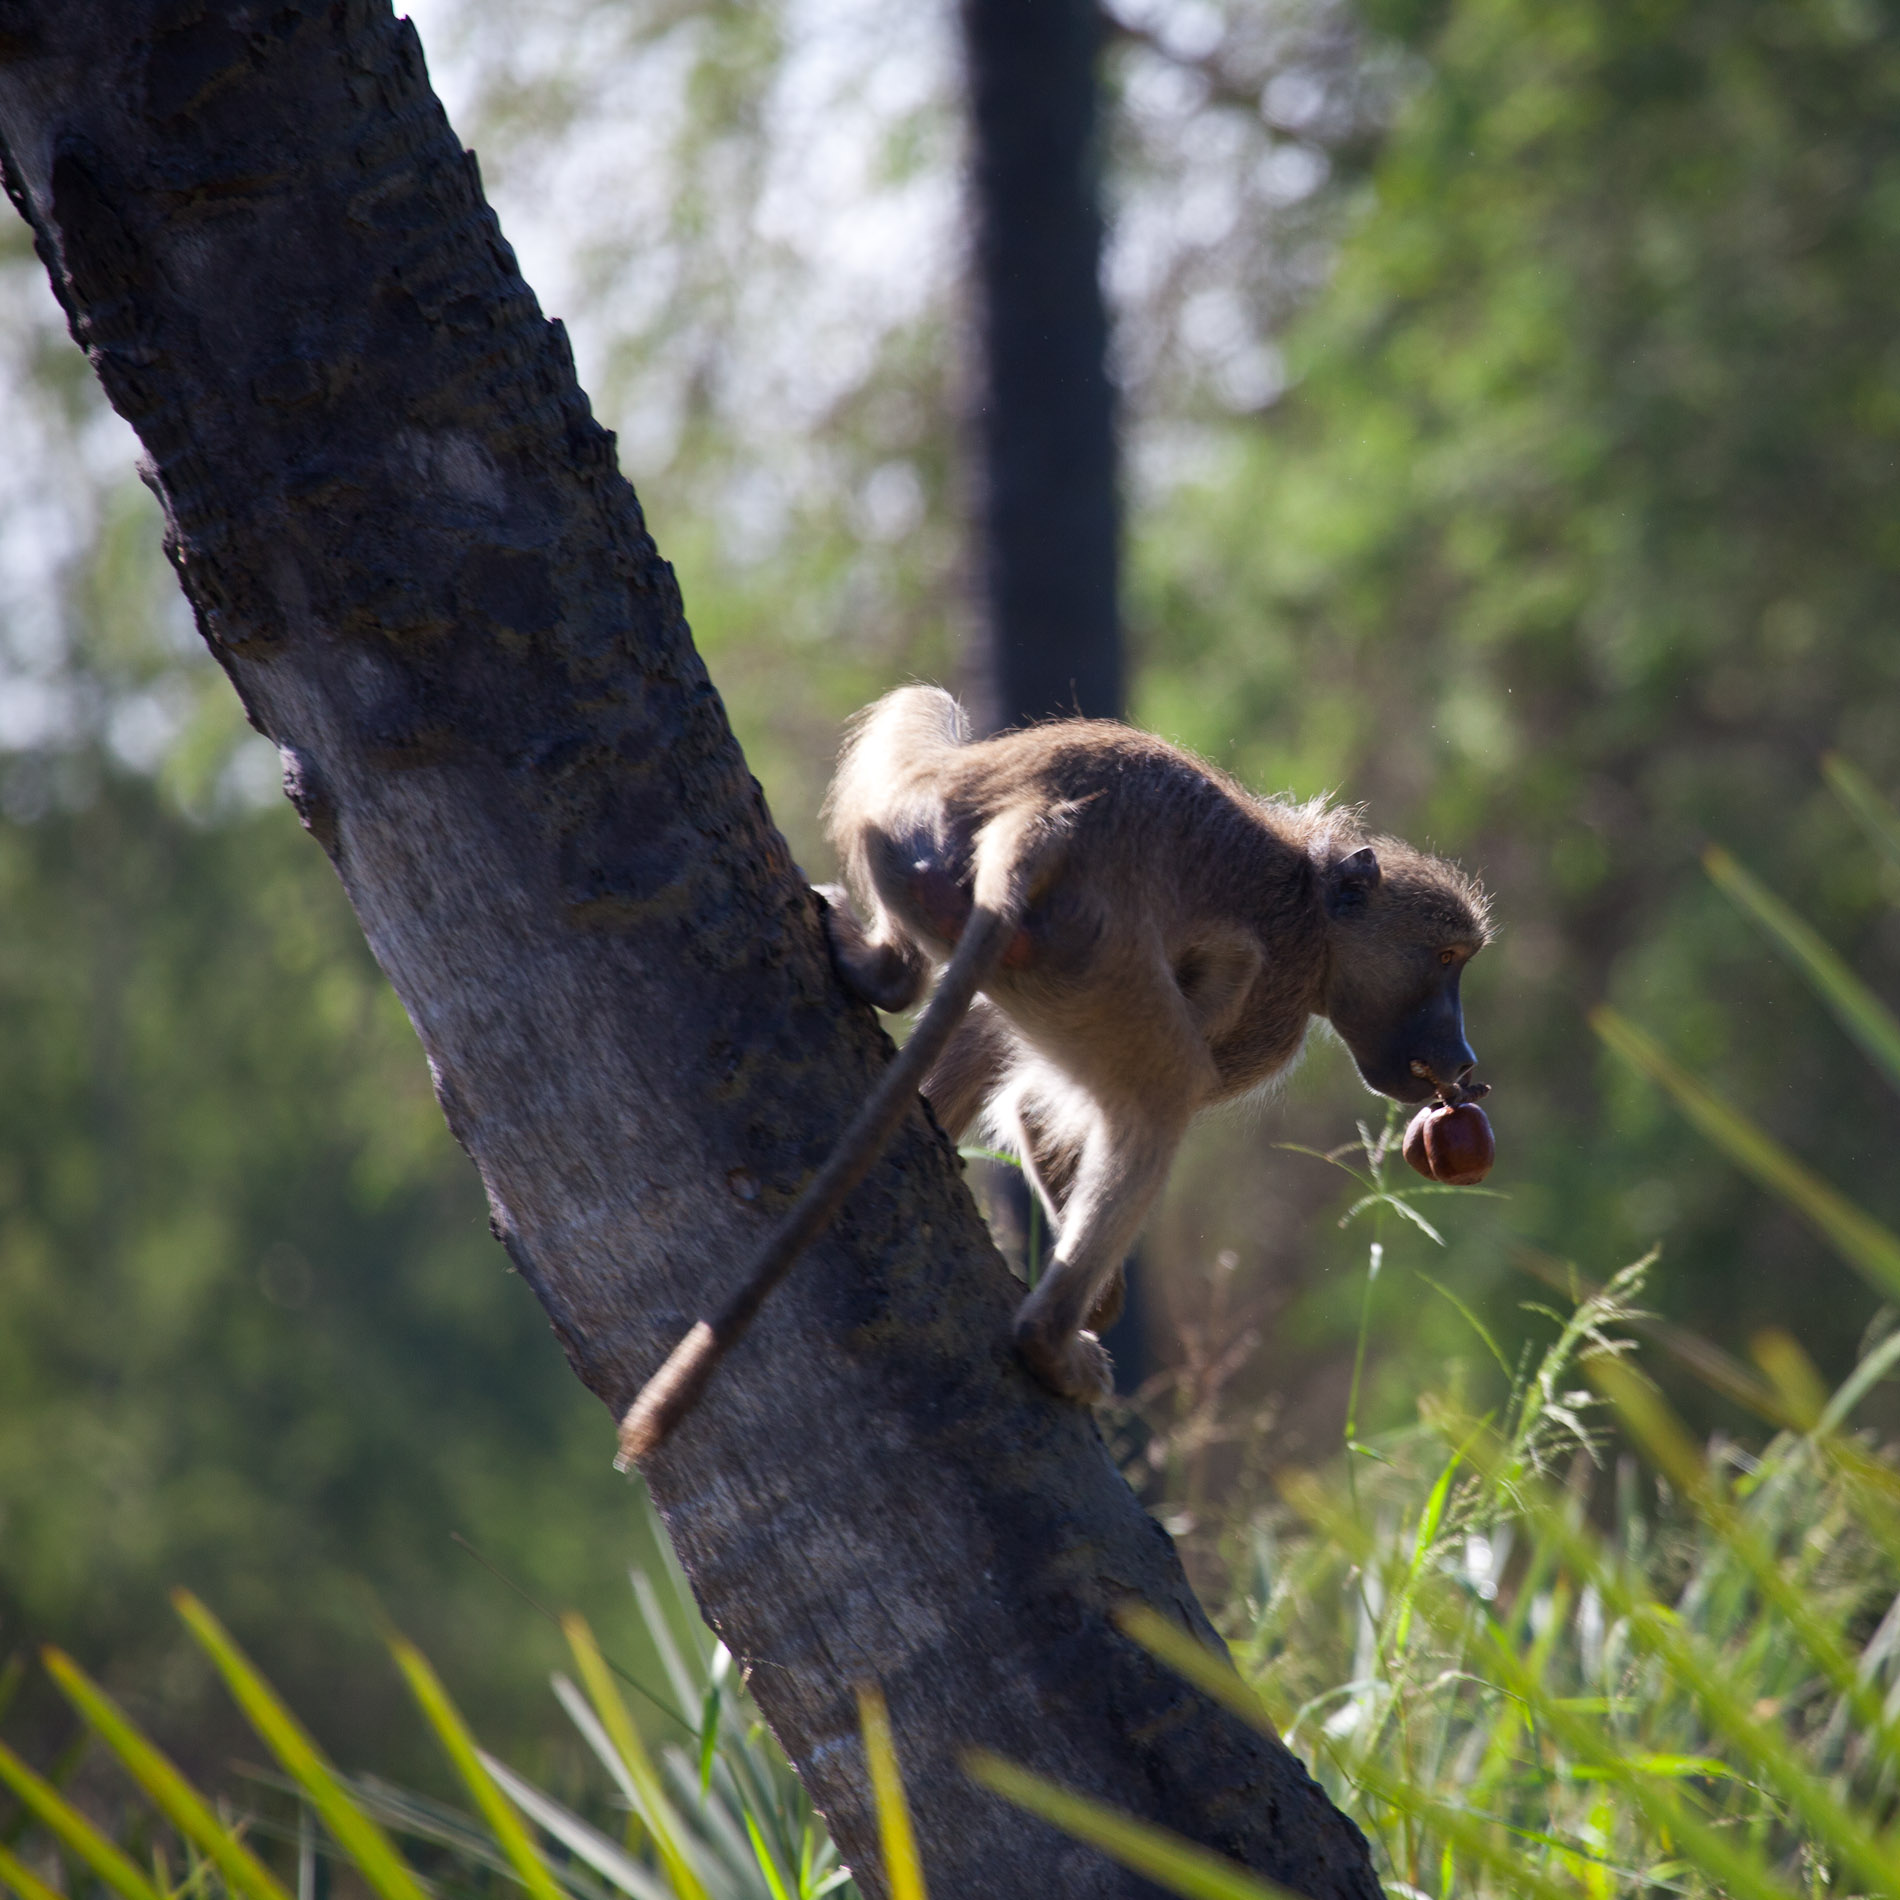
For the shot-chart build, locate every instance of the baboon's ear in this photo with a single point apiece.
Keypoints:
(1351, 881)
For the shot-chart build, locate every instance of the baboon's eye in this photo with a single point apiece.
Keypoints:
(1448, 956)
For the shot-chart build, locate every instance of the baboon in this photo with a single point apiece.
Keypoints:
(1149, 938)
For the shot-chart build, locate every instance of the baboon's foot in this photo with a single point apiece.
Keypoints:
(881, 974)
(1109, 1303)
(1074, 1366)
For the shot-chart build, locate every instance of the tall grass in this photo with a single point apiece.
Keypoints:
(1565, 1650)
(721, 1817)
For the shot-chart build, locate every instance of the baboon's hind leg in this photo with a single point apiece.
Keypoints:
(971, 1071)
(880, 964)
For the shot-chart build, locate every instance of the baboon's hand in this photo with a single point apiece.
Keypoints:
(1075, 1366)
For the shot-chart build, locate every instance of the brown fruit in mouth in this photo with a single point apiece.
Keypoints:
(1451, 1145)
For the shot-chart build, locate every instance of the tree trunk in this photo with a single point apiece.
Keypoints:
(406, 541)
(1043, 411)
(1046, 521)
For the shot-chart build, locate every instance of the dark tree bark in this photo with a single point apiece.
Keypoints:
(406, 541)
(1043, 411)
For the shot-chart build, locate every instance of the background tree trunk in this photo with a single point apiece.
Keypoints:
(1047, 520)
(406, 541)
(1046, 524)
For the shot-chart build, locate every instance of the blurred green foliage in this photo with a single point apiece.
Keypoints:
(253, 1332)
(756, 267)
(1572, 548)
(256, 1334)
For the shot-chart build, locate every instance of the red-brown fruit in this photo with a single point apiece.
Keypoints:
(1452, 1145)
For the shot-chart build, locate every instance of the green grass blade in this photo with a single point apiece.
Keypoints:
(176, 1798)
(1858, 1238)
(686, 1682)
(443, 1716)
(1423, 1543)
(903, 1869)
(662, 1822)
(353, 1830)
(1165, 1858)
(763, 1854)
(1864, 804)
(1210, 1672)
(1874, 1489)
(1471, 1319)
(64, 1821)
(1862, 1380)
(15, 1873)
(1800, 1391)
(587, 1844)
(708, 1737)
(1855, 1007)
(580, 1712)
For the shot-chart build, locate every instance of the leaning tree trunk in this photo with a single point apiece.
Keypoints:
(407, 543)
(1046, 516)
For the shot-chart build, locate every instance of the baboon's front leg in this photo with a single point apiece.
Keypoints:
(1052, 1159)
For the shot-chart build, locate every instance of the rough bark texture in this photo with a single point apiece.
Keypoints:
(1047, 518)
(406, 540)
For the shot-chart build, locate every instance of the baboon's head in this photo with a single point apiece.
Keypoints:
(1400, 928)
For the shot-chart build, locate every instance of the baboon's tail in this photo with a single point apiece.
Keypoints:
(888, 741)
(1015, 854)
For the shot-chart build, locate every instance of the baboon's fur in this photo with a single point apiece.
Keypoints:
(1169, 938)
